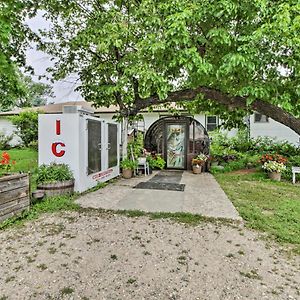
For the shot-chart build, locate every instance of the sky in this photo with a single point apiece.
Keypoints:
(63, 89)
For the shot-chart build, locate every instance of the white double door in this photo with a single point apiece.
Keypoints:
(102, 145)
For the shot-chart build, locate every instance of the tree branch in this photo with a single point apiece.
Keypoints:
(231, 102)
(135, 84)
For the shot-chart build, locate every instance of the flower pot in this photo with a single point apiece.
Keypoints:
(57, 188)
(274, 176)
(127, 173)
(197, 169)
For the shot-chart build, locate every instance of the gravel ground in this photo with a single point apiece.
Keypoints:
(94, 255)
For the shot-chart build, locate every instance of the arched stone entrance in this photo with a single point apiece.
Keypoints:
(178, 139)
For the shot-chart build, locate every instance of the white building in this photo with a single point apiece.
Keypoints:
(189, 132)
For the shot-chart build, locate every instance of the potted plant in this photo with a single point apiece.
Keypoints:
(274, 169)
(55, 179)
(198, 162)
(156, 161)
(128, 166)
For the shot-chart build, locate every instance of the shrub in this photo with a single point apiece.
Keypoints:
(27, 126)
(273, 157)
(245, 161)
(34, 145)
(242, 143)
(293, 161)
(127, 163)
(156, 161)
(5, 141)
(269, 145)
(53, 172)
(136, 146)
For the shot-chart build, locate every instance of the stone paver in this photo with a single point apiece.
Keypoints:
(202, 196)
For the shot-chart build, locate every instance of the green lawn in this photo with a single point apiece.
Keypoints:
(26, 159)
(272, 207)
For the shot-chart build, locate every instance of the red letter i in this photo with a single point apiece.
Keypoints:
(57, 127)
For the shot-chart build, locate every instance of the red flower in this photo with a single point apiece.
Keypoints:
(5, 156)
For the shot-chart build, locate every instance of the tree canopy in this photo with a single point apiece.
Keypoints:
(227, 54)
(14, 39)
(35, 94)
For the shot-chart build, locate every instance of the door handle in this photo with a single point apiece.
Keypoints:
(100, 146)
(108, 146)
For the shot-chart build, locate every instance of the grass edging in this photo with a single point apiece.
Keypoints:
(266, 206)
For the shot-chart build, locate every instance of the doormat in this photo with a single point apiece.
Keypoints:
(167, 177)
(164, 180)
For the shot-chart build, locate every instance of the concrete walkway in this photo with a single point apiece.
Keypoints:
(202, 195)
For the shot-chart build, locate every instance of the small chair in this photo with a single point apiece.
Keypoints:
(294, 171)
(143, 164)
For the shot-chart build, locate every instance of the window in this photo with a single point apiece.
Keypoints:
(260, 118)
(211, 123)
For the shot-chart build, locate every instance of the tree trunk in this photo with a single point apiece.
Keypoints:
(124, 137)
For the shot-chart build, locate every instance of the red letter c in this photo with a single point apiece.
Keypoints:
(58, 153)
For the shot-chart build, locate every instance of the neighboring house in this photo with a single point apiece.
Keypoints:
(7, 127)
(261, 125)
(181, 136)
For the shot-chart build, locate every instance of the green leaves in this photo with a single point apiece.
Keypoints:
(131, 51)
(53, 173)
(14, 38)
(27, 126)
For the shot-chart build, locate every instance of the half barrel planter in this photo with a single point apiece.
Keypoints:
(14, 195)
(57, 188)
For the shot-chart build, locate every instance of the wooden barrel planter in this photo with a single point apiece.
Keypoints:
(57, 188)
(14, 195)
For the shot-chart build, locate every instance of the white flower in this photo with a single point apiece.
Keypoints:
(273, 166)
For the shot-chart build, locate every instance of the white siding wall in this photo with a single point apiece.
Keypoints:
(8, 128)
(149, 119)
(273, 129)
(201, 119)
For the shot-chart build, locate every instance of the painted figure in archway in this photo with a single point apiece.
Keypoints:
(175, 146)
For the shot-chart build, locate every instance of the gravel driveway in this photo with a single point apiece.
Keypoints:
(97, 255)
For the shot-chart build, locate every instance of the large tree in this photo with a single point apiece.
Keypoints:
(15, 37)
(36, 93)
(236, 54)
